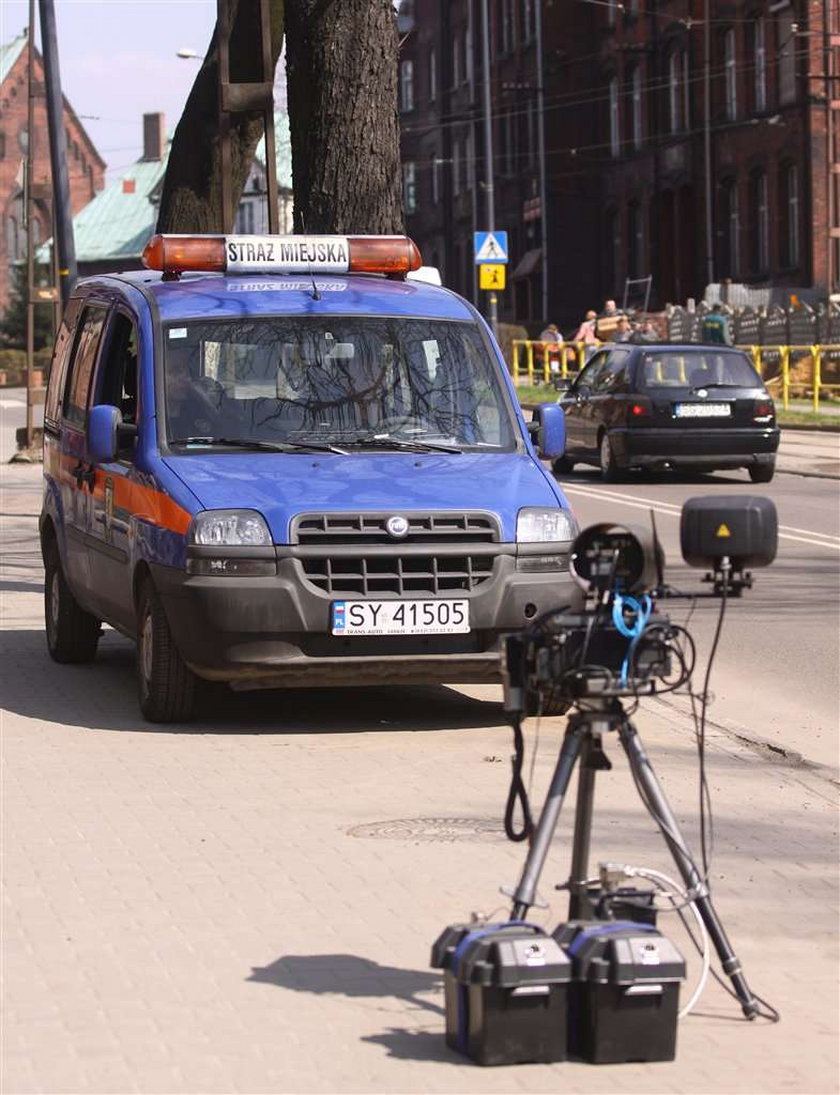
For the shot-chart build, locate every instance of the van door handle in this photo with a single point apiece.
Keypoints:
(84, 475)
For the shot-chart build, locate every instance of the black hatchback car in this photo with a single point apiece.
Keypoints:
(698, 408)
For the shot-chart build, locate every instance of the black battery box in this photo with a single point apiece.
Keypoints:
(505, 989)
(624, 996)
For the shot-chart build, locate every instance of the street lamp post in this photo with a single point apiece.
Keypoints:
(488, 151)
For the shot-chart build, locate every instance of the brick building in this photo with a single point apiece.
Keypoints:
(640, 179)
(86, 167)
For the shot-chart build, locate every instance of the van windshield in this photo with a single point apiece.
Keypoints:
(697, 369)
(340, 381)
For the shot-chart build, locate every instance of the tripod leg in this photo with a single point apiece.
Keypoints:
(659, 808)
(523, 897)
(592, 759)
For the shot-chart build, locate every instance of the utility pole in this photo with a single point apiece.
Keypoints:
(30, 242)
(541, 154)
(493, 315)
(67, 270)
(707, 143)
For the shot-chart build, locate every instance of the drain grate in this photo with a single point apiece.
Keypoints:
(441, 830)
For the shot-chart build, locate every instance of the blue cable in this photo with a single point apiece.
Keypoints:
(642, 609)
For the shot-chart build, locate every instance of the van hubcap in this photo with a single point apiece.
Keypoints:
(146, 649)
(605, 451)
(55, 602)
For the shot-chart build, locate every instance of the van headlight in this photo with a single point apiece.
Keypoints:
(230, 528)
(536, 525)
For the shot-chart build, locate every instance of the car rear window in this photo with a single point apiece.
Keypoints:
(695, 369)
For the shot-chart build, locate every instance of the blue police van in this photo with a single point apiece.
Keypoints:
(280, 461)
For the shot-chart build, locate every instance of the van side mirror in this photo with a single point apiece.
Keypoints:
(548, 430)
(107, 435)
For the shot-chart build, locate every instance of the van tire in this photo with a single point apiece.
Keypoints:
(166, 685)
(72, 633)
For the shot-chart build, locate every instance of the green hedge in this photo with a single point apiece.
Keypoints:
(13, 364)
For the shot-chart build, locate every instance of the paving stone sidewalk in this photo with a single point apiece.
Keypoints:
(247, 904)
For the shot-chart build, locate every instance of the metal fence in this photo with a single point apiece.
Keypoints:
(805, 369)
(773, 326)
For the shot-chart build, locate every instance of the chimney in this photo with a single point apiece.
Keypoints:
(153, 136)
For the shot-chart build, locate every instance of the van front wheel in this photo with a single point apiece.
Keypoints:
(166, 685)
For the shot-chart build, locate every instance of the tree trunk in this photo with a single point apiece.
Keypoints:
(341, 63)
(191, 200)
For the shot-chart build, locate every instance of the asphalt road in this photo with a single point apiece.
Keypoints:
(776, 673)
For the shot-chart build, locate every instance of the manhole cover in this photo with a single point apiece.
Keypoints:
(438, 829)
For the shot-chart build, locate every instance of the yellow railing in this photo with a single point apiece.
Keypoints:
(812, 378)
(538, 356)
(532, 364)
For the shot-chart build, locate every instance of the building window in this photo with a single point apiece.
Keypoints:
(509, 145)
(2, 146)
(456, 60)
(676, 91)
(759, 51)
(456, 167)
(636, 102)
(615, 119)
(527, 20)
(436, 165)
(730, 76)
(11, 239)
(533, 134)
(245, 218)
(760, 222)
(785, 52)
(612, 249)
(409, 188)
(432, 74)
(469, 159)
(730, 230)
(507, 26)
(611, 10)
(790, 215)
(635, 240)
(406, 86)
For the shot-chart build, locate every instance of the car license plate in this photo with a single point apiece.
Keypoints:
(401, 617)
(702, 410)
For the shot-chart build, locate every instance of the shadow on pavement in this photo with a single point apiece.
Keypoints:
(102, 696)
(360, 978)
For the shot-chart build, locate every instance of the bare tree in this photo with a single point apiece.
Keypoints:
(341, 63)
(342, 88)
(191, 200)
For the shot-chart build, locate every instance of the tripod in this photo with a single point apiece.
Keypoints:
(583, 741)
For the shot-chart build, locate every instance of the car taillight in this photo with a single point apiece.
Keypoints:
(638, 410)
(763, 411)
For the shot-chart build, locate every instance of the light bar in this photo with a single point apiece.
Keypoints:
(393, 255)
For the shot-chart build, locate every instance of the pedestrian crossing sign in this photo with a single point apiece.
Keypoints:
(491, 276)
(491, 246)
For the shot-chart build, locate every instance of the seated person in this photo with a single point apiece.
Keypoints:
(197, 406)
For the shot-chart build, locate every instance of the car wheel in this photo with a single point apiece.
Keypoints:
(609, 468)
(562, 465)
(72, 633)
(763, 473)
(166, 685)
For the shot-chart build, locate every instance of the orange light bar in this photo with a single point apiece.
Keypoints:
(384, 255)
(176, 253)
(395, 256)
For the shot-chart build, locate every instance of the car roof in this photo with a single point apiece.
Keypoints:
(216, 296)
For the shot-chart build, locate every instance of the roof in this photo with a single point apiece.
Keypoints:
(10, 53)
(117, 224)
(197, 296)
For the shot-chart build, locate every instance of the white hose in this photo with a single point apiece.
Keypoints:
(665, 881)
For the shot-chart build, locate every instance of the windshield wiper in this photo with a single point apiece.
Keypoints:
(385, 441)
(722, 384)
(259, 445)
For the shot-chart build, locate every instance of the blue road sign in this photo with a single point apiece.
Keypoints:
(490, 246)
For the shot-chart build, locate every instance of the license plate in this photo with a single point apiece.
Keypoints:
(401, 617)
(702, 410)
